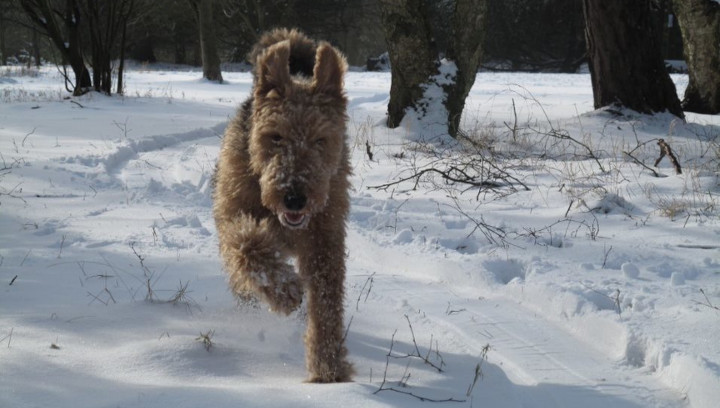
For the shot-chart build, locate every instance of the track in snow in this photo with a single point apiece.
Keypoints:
(532, 362)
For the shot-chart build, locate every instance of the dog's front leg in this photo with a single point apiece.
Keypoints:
(255, 261)
(322, 265)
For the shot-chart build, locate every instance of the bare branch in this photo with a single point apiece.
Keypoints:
(665, 150)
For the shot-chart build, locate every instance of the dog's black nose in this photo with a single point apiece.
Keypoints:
(295, 201)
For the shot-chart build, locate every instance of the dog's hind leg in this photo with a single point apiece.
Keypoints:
(255, 262)
(322, 264)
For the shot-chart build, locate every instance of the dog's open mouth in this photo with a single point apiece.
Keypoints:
(294, 219)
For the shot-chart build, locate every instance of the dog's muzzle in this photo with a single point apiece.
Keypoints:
(294, 217)
(294, 201)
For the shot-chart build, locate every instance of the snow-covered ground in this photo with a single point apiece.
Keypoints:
(600, 287)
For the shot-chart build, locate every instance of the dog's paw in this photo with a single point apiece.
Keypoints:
(285, 296)
(342, 372)
(289, 298)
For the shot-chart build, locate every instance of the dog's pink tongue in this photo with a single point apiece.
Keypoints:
(294, 218)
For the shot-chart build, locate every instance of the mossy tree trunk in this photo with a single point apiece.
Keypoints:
(626, 64)
(700, 26)
(466, 49)
(418, 33)
(412, 54)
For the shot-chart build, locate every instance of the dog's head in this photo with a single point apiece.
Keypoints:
(297, 138)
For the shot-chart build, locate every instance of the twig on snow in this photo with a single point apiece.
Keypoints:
(707, 302)
(405, 377)
(665, 150)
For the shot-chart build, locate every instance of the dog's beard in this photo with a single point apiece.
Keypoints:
(294, 220)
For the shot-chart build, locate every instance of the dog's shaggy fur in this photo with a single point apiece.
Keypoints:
(281, 190)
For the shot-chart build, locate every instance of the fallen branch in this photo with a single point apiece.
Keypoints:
(368, 150)
(478, 369)
(565, 135)
(368, 285)
(655, 173)
(26, 136)
(403, 382)
(416, 354)
(465, 166)
(206, 339)
(421, 398)
(558, 133)
(494, 235)
(514, 129)
(8, 337)
(665, 150)
(707, 302)
(452, 175)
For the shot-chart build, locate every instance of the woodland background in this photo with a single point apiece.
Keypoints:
(521, 35)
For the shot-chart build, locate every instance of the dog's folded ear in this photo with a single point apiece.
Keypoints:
(273, 79)
(329, 69)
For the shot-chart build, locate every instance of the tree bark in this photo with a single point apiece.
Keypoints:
(417, 35)
(208, 42)
(466, 49)
(700, 26)
(626, 64)
(413, 57)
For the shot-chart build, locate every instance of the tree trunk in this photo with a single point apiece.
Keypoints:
(3, 47)
(413, 57)
(106, 21)
(626, 65)
(36, 47)
(74, 58)
(466, 48)
(418, 33)
(121, 67)
(700, 26)
(208, 43)
(100, 29)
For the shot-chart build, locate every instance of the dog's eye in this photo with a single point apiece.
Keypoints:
(320, 142)
(275, 138)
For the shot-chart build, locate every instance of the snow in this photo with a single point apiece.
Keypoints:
(603, 292)
(428, 120)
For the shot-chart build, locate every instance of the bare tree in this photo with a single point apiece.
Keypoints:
(208, 43)
(626, 64)
(419, 33)
(17, 32)
(36, 46)
(106, 22)
(75, 26)
(243, 21)
(162, 30)
(123, 21)
(552, 36)
(60, 21)
(700, 26)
